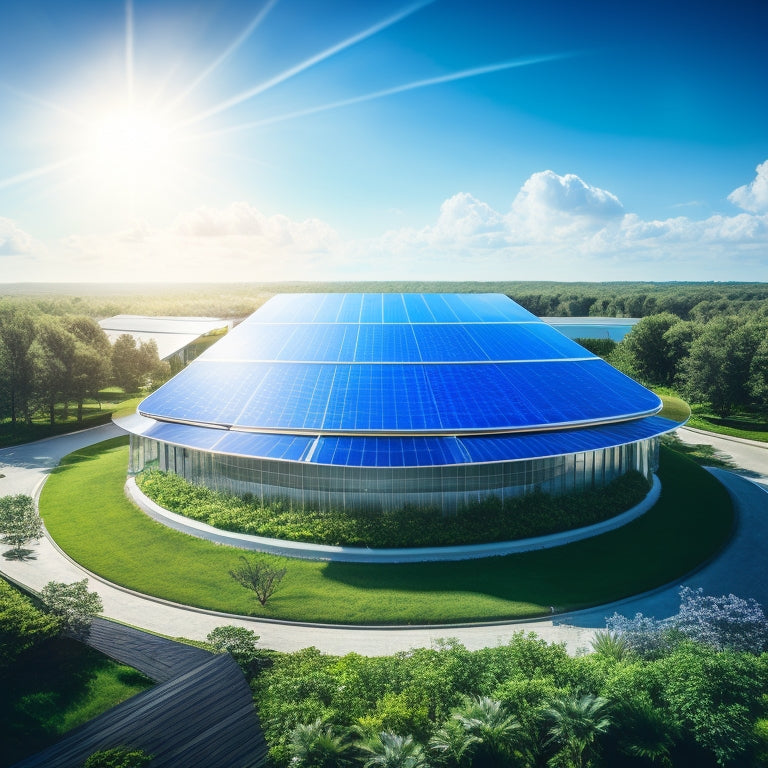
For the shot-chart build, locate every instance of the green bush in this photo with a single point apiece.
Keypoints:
(118, 757)
(487, 520)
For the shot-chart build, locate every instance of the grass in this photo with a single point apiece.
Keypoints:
(55, 687)
(112, 404)
(749, 427)
(88, 515)
(674, 407)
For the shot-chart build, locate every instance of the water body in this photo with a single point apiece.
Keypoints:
(615, 328)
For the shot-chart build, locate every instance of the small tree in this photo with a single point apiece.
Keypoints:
(259, 576)
(574, 724)
(74, 604)
(238, 642)
(20, 522)
(319, 745)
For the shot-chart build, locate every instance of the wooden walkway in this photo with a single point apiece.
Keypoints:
(200, 715)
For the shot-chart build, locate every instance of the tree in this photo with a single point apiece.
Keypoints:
(22, 625)
(722, 622)
(118, 757)
(725, 622)
(717, 369)
(74, 604)
(17, 333)
(91, 363)
(238, 642)
(649, 348)
(53, 356)
(388, 750)
(646, 732)
(317, 745)
(574, 724)
(453, 745)
(137, 365)
(20, 522)
(610, 645)
(126, 363)
(259, 576)
(716, 696)
(492, 728)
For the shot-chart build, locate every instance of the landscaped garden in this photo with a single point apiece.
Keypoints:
(50, 683)
(87, 513)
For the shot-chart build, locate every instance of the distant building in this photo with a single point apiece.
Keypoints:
(179, 339)
(376, 401)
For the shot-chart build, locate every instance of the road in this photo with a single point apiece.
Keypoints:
(740, 569)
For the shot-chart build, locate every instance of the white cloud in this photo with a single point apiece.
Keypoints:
(14, 241)
(753, 197)
(238, 242)
(545, 194)
(561, 227)
(556, 227)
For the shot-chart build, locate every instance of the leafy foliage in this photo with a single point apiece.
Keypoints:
(318, 745)
(240, 643)
(487, 520)
(22, 625)
(19, 522)
(74, 604)
(118, 757)
(725, 622)
(526, 703)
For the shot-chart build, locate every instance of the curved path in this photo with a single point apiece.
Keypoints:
(739, 569)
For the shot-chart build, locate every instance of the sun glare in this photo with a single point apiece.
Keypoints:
(131, 143)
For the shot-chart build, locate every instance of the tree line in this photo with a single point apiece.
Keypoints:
(47, 361)
(689, 301)
(722, 361)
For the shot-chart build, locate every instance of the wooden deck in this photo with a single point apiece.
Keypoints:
(200, 715)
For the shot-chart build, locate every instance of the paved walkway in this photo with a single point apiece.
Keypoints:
(740, 569)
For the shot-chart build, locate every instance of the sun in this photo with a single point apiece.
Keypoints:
(130, 144)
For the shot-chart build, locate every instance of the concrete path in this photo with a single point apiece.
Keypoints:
(740, 569)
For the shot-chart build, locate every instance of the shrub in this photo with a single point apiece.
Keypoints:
(486, 520)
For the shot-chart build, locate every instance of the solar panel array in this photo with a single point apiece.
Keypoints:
(396, 380)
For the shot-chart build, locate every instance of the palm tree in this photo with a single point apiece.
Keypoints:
(492, 727)
(453, 745)
(575, 723)
(316, 745)
(610, 645)
(647, 732)
(388, 750)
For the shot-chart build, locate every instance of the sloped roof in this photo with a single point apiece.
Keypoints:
(398, 380)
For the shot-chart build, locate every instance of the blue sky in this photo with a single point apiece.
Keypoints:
(287, 139)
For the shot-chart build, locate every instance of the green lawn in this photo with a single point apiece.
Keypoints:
(112, 405)
(88, 515)
(56, 687)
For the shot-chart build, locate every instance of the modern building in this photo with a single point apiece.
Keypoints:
(178, 339)
(377, 401)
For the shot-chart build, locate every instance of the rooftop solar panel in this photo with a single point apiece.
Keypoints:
(397, 363)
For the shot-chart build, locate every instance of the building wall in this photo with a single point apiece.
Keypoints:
(446, 488)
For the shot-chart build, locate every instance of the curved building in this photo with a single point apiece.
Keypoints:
(377, 401)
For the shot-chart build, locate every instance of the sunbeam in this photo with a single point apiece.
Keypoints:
(449, 78)
(35, 173)
(307, 63)
(230, 50)
(129, 48)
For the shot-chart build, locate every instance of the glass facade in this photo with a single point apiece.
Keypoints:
(308, 485)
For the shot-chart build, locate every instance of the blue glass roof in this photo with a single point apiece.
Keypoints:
(397, 364)
(407, 451)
